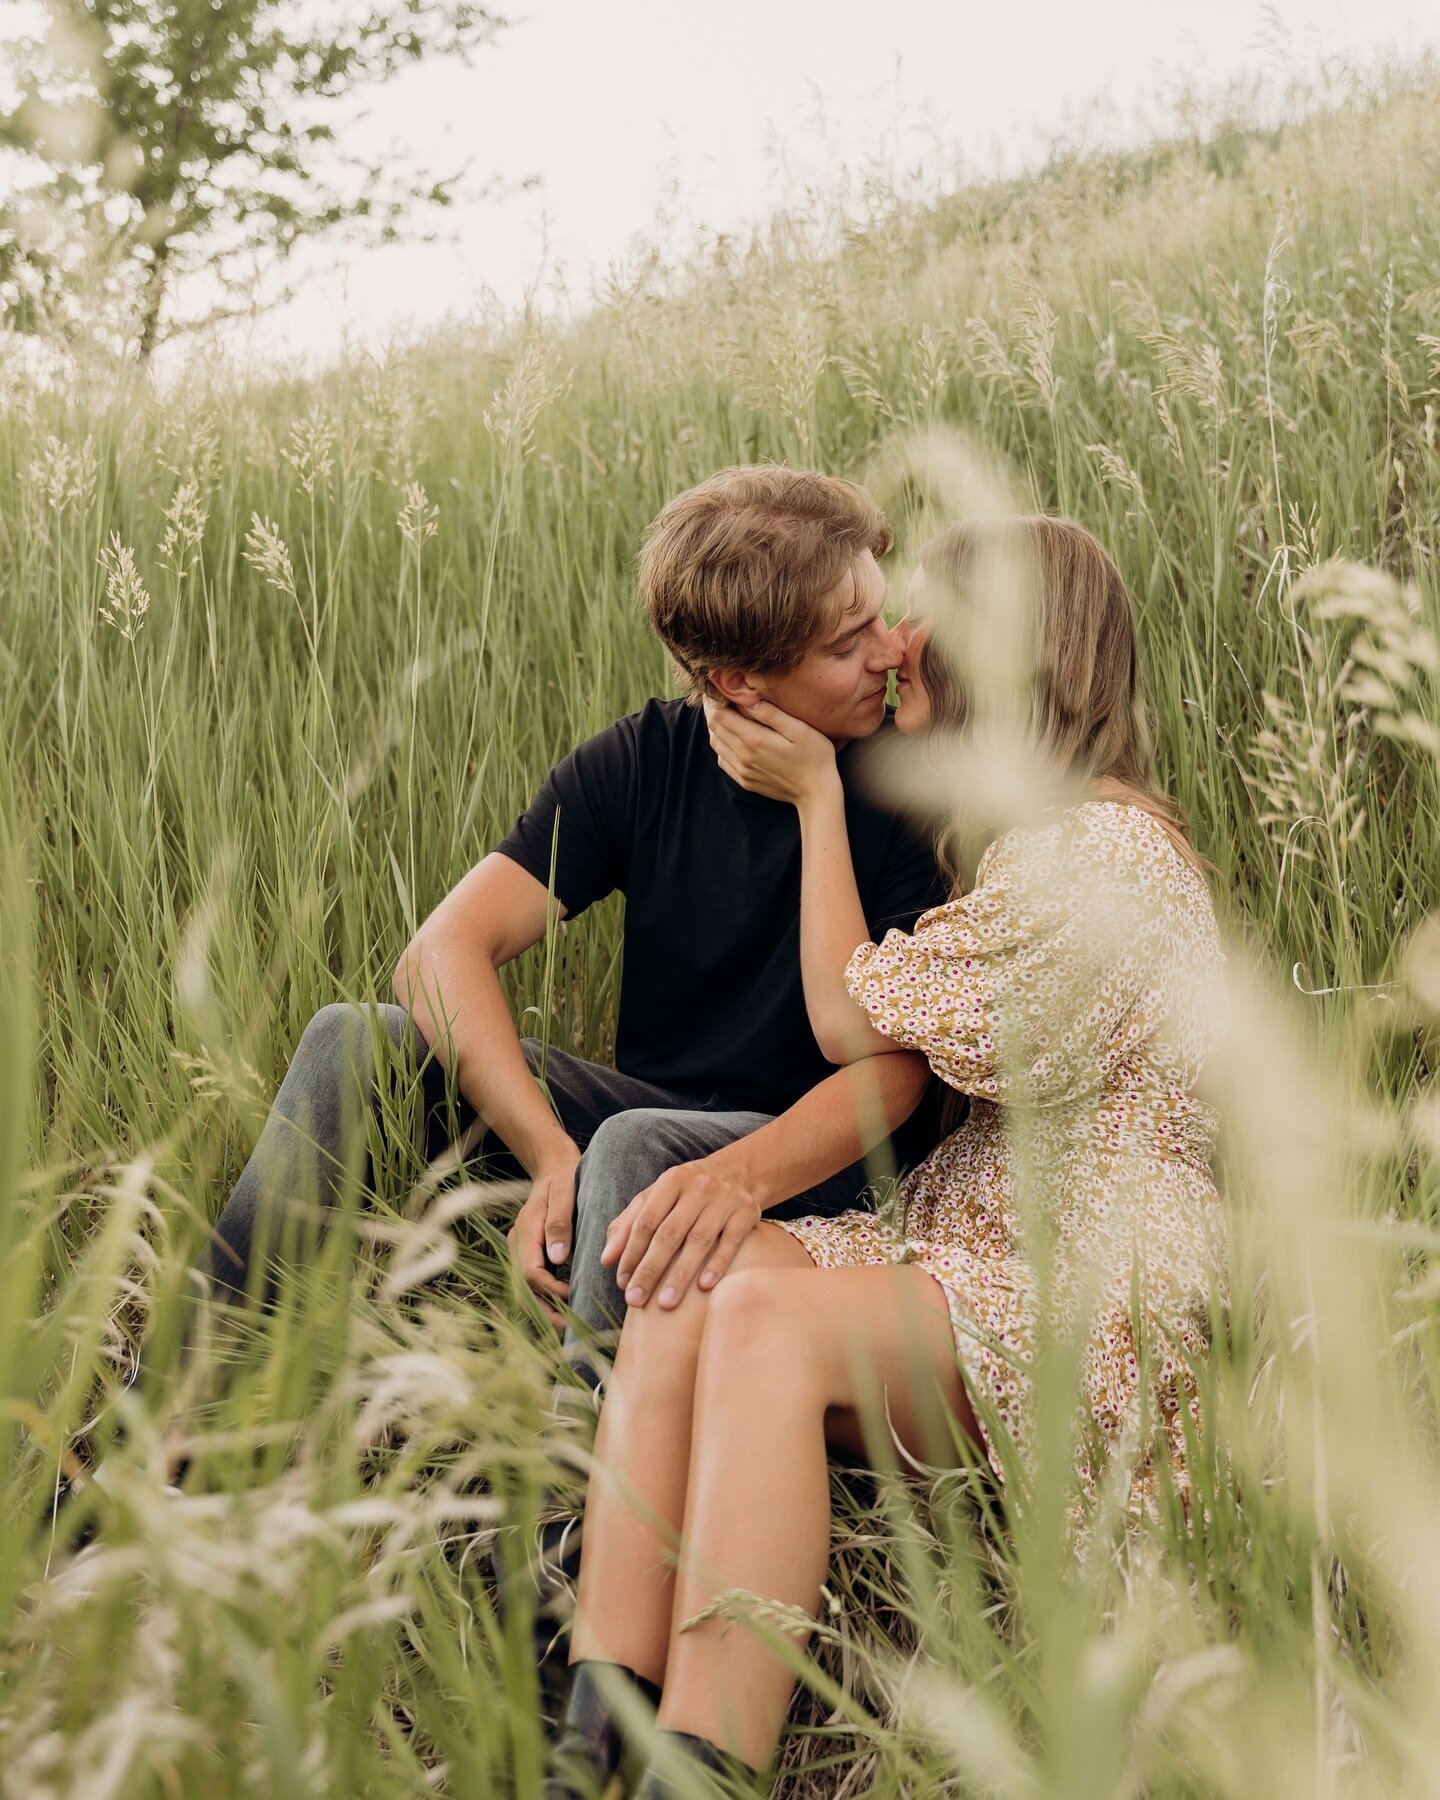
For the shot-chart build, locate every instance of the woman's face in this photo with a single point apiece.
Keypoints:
(913, 711)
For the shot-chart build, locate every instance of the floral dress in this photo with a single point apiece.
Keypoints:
(1074, 995)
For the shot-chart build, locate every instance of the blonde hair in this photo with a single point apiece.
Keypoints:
(745, 570)
(1089, 703)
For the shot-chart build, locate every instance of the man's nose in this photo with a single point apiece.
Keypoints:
(889, 650)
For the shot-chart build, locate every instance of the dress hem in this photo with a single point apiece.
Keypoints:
(961, 1338)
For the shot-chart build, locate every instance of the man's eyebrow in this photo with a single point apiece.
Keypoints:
(854, 630)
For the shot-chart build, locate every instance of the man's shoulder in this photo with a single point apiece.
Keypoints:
(670, 718)
(656, 719)
(654, 736)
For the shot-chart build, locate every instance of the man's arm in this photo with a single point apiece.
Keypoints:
(697, 1215)
(447, 981)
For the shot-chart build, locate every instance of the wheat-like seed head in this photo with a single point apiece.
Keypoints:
(63, 475)
(311, 451)
(266, 553)
(126, 599)
(419, 517)
(185, 519)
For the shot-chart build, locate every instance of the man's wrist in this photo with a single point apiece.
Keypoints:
(555, 1151)
(737, 1162)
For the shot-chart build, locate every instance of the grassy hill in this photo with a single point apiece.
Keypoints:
(279, 661)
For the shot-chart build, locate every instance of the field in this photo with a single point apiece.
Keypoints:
(279, 661)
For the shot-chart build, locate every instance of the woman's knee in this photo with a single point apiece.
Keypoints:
(656, 1340)
(755, 1325)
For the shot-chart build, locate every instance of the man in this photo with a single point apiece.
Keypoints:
(762, 583)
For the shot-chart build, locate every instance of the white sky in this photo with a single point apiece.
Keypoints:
(625, 110)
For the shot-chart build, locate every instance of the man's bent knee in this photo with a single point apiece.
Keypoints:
(341, 1033)
(628, 1152)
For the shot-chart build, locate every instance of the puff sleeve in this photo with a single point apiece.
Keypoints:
(1030, 987)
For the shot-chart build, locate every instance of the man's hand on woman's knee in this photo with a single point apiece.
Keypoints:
(689, 1223)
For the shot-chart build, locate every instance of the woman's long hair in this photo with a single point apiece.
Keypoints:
(1088, 705)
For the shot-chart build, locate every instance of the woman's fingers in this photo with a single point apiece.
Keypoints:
(772, 718)
(736, 727)
(745, 750)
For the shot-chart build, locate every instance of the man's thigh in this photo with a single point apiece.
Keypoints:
(582, 1095)
(586, 1094)
(632, 1149)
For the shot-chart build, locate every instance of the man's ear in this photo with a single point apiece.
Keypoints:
(736, 686)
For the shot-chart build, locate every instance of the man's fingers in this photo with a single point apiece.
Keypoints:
(681, 1273)
(557, 1320)
(617, 1232)
(737, 1229)
(525, 1238)
(671, 1237)
(543, 1282)
(664, 1267)
(529, 1251)
(617, 1235)
(649, 1211)
(559, 1211)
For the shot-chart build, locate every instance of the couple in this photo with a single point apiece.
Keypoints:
(1070, 987)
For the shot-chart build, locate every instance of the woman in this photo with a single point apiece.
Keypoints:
(1073, 985)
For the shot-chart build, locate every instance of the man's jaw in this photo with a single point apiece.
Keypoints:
(861, 724)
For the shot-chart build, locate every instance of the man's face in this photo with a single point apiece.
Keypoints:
(838, 685)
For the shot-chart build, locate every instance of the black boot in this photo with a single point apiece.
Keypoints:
(591, 1746)
(675, 1746)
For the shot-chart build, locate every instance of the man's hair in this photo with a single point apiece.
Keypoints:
(742, 572)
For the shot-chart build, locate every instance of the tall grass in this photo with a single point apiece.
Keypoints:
(281, 660)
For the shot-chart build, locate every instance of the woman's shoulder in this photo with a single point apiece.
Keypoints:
(1106, 843)
(1103, 830)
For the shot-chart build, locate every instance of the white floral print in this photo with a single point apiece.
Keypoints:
(1074, 995)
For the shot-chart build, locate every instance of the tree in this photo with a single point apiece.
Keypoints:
(27, 275)
(209, 133)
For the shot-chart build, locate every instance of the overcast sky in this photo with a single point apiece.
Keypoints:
(625, 111)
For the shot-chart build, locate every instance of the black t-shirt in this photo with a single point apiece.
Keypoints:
(711, 1001)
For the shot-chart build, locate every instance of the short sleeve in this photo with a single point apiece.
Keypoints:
(595, 792)
(1028, 986)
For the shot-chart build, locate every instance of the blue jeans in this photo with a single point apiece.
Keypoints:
(313, 1143)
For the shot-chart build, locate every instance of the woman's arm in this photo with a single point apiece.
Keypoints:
(832, 927)
(770, 753)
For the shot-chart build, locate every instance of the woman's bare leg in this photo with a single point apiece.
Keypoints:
(790, 1357)
(636, 1498)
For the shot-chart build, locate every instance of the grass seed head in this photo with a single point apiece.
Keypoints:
(126, 599)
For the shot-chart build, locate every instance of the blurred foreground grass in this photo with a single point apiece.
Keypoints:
(278, 662)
